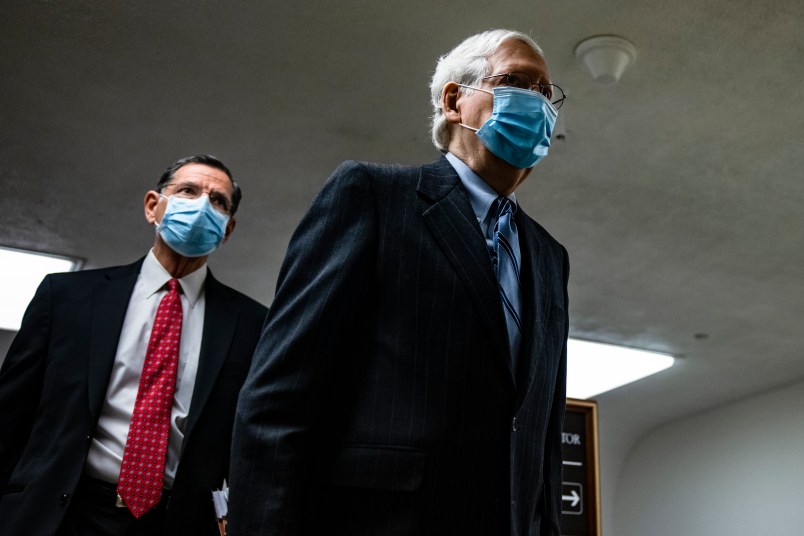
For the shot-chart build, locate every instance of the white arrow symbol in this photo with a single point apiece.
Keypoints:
(574, 498)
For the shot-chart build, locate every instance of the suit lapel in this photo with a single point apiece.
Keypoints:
(109, 306)
(536, 302)
(220, 320)
(453, 224)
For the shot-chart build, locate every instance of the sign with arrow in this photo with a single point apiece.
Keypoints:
(571, 498)
(580, 500)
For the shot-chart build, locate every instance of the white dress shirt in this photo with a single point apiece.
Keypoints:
(109, 441)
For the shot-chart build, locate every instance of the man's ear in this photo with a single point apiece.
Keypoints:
(229, 228)
(450, 106)
(151, 202)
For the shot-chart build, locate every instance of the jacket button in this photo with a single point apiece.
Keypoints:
(64, 498)
(513, 425)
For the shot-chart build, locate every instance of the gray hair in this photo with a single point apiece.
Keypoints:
(467, 64)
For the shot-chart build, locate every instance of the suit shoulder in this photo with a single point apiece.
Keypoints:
(82, 278)
(375, 168)
(375, 172)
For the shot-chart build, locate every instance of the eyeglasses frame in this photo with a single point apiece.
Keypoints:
(557, 103)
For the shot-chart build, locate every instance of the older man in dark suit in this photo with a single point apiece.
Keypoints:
(117, 396)
(411, 375)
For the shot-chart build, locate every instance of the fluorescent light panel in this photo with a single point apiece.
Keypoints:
(20, 275)
(594, 368)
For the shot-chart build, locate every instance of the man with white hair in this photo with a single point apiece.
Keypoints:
(411, 374)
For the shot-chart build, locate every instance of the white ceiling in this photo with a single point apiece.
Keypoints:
(677, 191)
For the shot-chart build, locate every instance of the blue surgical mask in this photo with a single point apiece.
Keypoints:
(192, 227)
(520, 126)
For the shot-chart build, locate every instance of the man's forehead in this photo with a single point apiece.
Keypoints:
(202, 174)
(515, 55)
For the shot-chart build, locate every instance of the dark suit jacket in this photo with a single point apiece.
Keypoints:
(382, 398)
(54, 380)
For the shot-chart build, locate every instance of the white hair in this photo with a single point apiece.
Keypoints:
(467, 64)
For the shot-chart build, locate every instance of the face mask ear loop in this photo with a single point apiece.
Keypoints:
(475, 89)
(157, 224)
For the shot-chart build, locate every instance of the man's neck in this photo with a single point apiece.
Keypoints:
(499, 174)
(177, 265)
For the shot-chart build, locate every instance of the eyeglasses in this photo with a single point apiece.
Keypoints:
(552, 92)
(190, 190)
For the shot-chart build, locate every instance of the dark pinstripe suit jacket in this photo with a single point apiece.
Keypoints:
(381, 398)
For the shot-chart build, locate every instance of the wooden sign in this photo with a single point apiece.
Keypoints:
(580, 492)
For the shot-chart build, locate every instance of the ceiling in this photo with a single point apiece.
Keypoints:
(677, 192)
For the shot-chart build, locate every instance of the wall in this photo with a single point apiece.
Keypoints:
(5, 342)
(617, 437)
(736, 470)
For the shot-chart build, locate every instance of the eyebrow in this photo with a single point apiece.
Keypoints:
(195, 184)
(182, 182)
(543, 75)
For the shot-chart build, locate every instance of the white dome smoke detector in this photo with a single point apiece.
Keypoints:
(606, 57)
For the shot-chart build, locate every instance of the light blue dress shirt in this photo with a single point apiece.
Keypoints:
(481, 196)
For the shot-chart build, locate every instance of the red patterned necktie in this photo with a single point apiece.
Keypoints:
(143, 470)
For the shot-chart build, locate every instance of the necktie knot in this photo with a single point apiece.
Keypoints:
(174, 285)
(505, 206)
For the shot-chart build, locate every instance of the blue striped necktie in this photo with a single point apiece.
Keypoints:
(507, 259)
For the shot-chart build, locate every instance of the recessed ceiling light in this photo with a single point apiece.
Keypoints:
(20, 275)
(594, 368)
(606, 57)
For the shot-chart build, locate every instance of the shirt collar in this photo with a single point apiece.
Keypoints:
(481, 195)
(155, 277)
